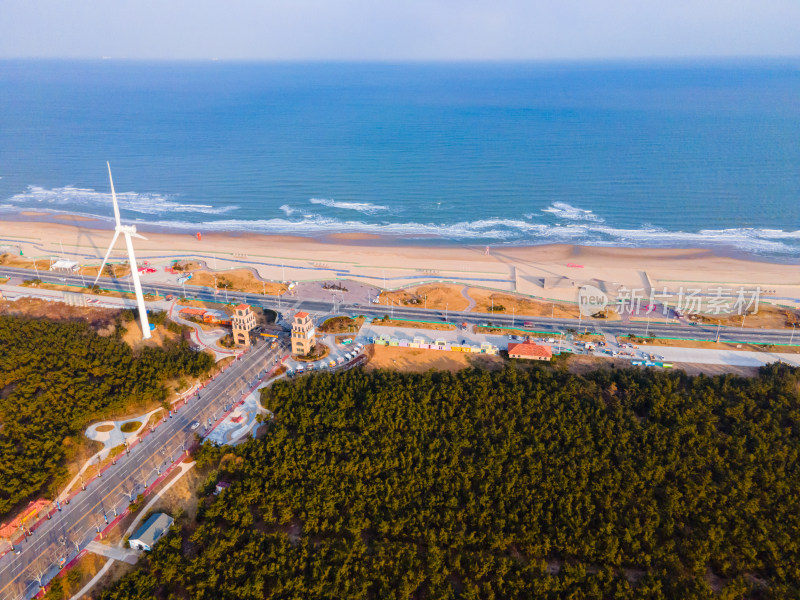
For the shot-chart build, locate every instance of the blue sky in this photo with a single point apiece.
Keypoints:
(398, 29)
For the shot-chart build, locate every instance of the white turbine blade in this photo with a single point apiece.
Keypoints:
(138, 235)
(137, 286)
(110, 248)
(113, 194)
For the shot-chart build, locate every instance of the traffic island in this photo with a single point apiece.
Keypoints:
(318, 352)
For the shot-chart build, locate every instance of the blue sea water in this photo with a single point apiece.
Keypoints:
(661, 154)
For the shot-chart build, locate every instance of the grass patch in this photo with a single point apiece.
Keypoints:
(341, 325)
(130, 426)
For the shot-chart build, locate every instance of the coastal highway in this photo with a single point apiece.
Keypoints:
(539, 324)
(89, 511)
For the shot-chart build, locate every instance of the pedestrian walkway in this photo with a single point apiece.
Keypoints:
(115, 552)
(237, 424)
(470, 299)
(205, 339)
(710, 356)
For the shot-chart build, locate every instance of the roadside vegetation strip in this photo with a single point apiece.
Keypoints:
(377, 321)
(528, 331)
(643, 340)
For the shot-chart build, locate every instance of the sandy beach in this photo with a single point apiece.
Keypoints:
(550, 271)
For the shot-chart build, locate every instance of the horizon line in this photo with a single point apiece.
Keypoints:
(401, 61)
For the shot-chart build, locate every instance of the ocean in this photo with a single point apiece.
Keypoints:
(624, 154)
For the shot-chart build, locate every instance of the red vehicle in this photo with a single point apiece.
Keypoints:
(527, 324)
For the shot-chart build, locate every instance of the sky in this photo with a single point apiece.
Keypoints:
(393, 30)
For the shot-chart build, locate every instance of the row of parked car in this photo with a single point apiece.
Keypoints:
(328, 364)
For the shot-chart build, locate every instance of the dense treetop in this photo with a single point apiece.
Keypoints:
(56, 377)
(514, 484)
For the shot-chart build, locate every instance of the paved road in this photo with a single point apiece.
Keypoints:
(77, 523)
(287, 305)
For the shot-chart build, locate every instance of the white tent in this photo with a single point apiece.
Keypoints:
(64, 265)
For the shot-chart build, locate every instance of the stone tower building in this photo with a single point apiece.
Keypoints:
(302, 334)
(243, 322)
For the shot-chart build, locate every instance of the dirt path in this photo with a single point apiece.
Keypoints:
(470, 299)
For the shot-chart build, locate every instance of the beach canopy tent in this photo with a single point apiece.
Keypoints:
(64, 265)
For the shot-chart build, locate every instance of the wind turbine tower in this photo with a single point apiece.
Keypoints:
(128, 231)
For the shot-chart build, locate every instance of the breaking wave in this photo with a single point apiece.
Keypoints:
(579, 226)
(520, 232)
(562, 210)
(364, 207)
(73, 198)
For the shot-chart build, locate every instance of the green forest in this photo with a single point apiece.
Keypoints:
(57, 377)
(521, 483)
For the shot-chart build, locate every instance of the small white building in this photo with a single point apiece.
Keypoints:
(65, 266)
(148, 534)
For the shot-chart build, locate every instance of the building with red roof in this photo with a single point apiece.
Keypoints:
(529, 351)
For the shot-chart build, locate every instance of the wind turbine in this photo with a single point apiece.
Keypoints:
(128, 231)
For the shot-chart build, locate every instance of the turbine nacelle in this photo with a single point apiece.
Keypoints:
(129, 230)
